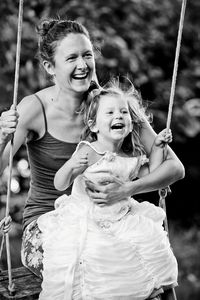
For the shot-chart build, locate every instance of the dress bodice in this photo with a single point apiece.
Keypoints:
(123, 168)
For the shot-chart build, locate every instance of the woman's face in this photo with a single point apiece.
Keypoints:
(74, 63)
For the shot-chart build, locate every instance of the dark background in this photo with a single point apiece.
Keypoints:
(135, 39)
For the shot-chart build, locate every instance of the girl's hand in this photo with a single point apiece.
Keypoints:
(8, 123)
(163, 138)
(79, 160)
(5, 224)
(108, 191)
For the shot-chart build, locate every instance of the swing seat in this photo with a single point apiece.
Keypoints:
(27, 285)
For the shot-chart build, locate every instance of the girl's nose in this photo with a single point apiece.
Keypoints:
(118, 115)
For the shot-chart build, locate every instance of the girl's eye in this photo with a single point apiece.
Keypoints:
(109, 113)
(125, 112)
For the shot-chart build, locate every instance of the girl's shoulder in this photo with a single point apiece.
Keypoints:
(85, 147)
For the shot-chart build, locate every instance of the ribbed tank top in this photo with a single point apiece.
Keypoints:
(46, 155)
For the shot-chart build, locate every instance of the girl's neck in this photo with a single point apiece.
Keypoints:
(112, 146)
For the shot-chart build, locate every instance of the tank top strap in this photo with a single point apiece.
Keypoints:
(90, 145)
(43, 110)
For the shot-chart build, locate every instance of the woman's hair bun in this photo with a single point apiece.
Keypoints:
(45, 26)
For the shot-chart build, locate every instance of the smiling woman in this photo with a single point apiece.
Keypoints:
(51, 129)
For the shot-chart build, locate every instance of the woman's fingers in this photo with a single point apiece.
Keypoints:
(8, 220)
(103, 193)
(5, 224)
(9, 121)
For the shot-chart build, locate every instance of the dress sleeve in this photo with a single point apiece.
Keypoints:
(80, 144)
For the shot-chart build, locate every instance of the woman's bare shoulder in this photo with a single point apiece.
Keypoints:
(33, 100)
(29, 106)
(30, 113)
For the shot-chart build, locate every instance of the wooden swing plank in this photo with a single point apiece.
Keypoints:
(27, 285)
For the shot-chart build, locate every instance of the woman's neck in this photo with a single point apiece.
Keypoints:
(68, 101)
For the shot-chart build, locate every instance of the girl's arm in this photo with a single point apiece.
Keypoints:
(75, 166)
(166, 174)
(157, 155)
(158, 152)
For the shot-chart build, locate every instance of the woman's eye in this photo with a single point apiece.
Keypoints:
(71, 58)
(88, 55)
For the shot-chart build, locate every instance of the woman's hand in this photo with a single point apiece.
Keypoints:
(5, 224)
(108, 191)
(8, 123)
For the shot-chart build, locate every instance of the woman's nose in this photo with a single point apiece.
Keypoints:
(81, 64)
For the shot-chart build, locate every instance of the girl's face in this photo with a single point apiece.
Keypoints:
(113, 120)
(74, 63)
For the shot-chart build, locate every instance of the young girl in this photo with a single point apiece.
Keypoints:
(120, 251)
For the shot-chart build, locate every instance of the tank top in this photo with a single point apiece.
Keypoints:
(46, 155)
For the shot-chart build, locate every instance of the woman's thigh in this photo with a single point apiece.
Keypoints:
(32, 251)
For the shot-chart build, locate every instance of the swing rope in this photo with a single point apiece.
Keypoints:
(11, 287)
(178, 46)
(163, 192)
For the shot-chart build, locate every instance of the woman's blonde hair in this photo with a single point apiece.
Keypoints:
(132, 143)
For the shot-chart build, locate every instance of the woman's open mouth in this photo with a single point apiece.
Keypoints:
(80, 76)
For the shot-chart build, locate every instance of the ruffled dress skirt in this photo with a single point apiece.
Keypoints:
(93, 258)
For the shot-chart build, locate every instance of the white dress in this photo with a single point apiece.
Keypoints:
(116, 252)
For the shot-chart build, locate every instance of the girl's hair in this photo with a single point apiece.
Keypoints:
(132, 143)
(51, 31)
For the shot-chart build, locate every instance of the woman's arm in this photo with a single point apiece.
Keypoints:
(28, 117)
(166, 174)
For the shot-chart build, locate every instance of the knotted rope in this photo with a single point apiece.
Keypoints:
(11, 287)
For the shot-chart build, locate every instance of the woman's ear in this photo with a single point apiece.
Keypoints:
(92, 126)
(48, 67)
